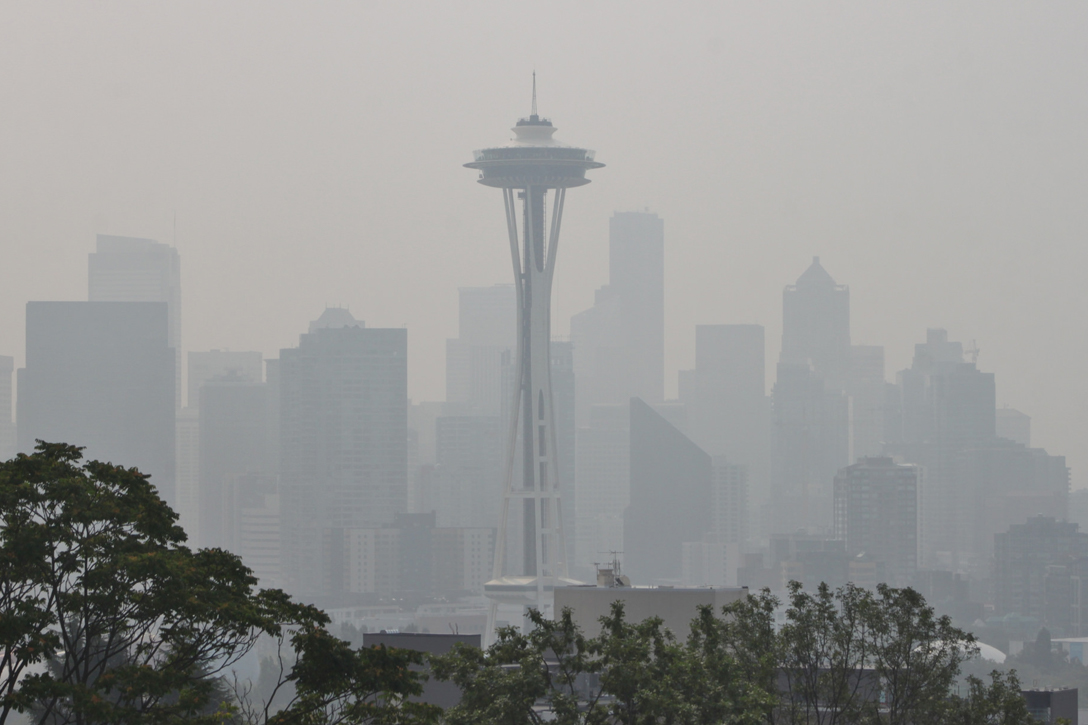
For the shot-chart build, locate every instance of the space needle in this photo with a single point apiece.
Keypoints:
(527, 169)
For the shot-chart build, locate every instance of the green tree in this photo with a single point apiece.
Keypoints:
(916, 656)
(826, 645)
(133, 627)
(632, 673)
(728, 672)
(998, 702)
(640, 665)
(524, 678)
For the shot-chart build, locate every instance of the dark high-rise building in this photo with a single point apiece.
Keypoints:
(876, 513)
(101, 375)
(672, 499)
(343, 443)
(619, 343)
(816, 325)
(130, 269)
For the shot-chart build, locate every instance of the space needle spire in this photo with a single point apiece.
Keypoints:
(527, 169)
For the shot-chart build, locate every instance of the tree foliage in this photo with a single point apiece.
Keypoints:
(848, 656)
(107, 617)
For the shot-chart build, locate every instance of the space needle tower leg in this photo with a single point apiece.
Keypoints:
(533, 256)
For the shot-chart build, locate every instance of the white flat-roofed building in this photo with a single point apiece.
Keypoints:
(675, 606)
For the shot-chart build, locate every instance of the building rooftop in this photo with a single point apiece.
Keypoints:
(334, 317)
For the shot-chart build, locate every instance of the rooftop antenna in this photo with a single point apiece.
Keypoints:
(534, 94)
(973, 351)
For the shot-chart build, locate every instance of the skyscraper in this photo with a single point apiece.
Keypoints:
(202, 367)
(866, 386)
(527, 169)
(234, 443)
(876, 513)
(603, 488)
(810, 400)
(811, 443)
(487, 330)
(943, 406)
(816, 325)
(7, 425)
(619, 343)
(468, 457)
(130, 269)
(343, 443)
(671, 497)
(101, 375)
(726, 399)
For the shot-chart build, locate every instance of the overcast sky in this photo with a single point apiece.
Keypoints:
(932, 154)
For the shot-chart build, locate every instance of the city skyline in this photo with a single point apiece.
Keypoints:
(933, 162)
(807, 367)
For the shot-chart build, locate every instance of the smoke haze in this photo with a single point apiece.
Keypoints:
(932, 155)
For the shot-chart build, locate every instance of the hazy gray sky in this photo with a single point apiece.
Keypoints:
(932, 154)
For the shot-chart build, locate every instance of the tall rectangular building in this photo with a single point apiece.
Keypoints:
(811, 443)
(202, 367)
(187, 471)
(816, 325)
(603, 487)
(234, 443)
(7, 425)
(729, 496)
(671, 498)
(101, 375)
(469, 471)
(343, 444)
(876, 513)
(487, 330)
(945, 407)
(811, 404)
(726, 399)
(130, 269)
(619, 343)
(866, 386)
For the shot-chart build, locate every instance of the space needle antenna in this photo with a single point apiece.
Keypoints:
(534, 113)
